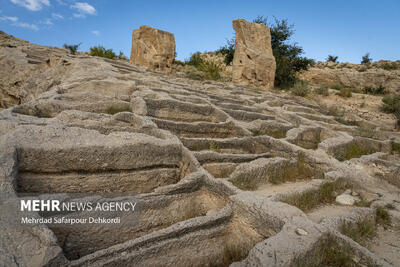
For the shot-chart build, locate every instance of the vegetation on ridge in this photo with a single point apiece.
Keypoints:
(100, 51)
(391, 104)
(72, 48)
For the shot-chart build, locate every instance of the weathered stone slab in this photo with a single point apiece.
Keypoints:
(153, 48)
(253, 61)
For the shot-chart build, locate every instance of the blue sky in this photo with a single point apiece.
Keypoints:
(347, 29)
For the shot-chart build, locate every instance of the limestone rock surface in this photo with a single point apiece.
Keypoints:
(253, 62)
(26, 69)
(153, 48)
(383, 73)
(214, 167)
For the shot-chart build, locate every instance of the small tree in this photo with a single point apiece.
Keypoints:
(331, 58)
(287, 55)
(72, 48)
(228, 50)
(260, 20)
(100, 51)
(366, 59)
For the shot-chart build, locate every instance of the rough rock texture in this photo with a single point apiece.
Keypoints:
(253, 61)
(381, 73)
(187, 150)
(27, 70)
(153, 48)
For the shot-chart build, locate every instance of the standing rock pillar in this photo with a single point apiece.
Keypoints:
(153, 48)
(253, 62)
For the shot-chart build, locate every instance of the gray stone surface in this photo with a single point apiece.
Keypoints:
(107, 126)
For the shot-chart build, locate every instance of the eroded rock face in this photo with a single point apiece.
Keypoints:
(162, 141)
(358, 76)
(153, 48)
(253, 60)
(35, 69)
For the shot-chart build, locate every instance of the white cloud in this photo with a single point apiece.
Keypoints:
(56, 16)
(33, 5)
(83, 9)
(26, 25)
(5, 18)
(47, 22)
(96, 32)
(79, 15)
(15, 22)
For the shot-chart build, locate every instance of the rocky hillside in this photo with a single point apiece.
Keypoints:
(225, 175)
(26, 70)
(358, 76)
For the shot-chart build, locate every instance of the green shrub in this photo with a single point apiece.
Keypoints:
(382, 216)
(331, 58)
(211, 70)
(380, 90)
(195, 60)
(395, 147)
(391, 104)
(323, 90)
(287, 55)
(366, 59)
(345, 92)
(72, 48)
(300, 88)
(100, 51)
(228, 51)
(214, 147)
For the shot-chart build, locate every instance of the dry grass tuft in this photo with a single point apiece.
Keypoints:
(117, 109)
(353, 150)
(311, 199)
(327, 252)
(300, 171)
(244, 182)
(359, 231)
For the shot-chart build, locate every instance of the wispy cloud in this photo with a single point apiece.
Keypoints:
(57, 16)
(6, 18)
(26, 25)
(96, 32)
(47, 22)
(61, 2)
(15, 22)
(83, 9)
(33, 5)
